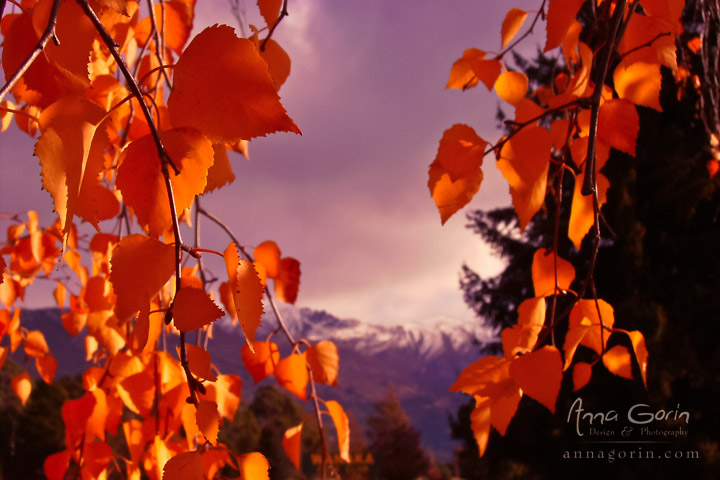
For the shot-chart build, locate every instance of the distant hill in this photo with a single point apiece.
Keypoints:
(420, 362)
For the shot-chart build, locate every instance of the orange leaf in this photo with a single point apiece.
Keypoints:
(342, 427)
(581, 375)
(503, 410)
(3, 355)
(261, 363)
(521, 338)
(512, 24)
(291, 373)
(618, 361)
(142, 184)
(649, 39)
(199, 362)
(291, 442)
(56, 465)
(71, 151)
(560, 17)
(97, 456)
(618, 124)
(208, 420)
(175, 17)
(480, 424)
(22, 386)
(193, 309)
(253, 466)
(46, 367)
(230, 97)
(287, 282)
(247, 292)
(184, 466)
(226, 392)
(574, 336)
(59, 293)
(471, 68)
(488, 377)
(75, 415)
(511, 86)
(323, 360)
(138, 392)
(268, 254)
(539, 375)
(524, 162)
(455, 175)
(278, 62)
(270, 10)
(596, 337)
(543, 272)
(641, 353)
(35, 344)
(220, 173)
(640, 83)
(140, 267)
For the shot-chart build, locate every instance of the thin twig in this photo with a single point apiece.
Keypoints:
(44, 39)
(283, 14)
(540, 13)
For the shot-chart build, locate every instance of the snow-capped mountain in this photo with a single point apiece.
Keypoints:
(419, 361)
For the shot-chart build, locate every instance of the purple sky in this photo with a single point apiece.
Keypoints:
(349, 197)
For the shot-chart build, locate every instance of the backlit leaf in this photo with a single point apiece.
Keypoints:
(640, 83)
(141, 181)
(270, 10)
(649, 39)
(596, 336)
(488, 376)
(35, 344)
(503, 410)
(511, 86)
(174, 18)
(268, 254)
(524, 162)
(574, 336)
(22, 386)
(253, 466)
(247, 292)
(342, 427)
(287, 282)
(208, 420)
(512, 24)
(641, 353)
(618, 361)
(199, 362)
(471, 68)
(75, 415)
(560, 17)
(521, 338)
(184, 466)
(140, 267)
(278, 62)
(261, 363)
(56, 465)
(220, 173)
(46, 367)
(539, 375)
(543, 272)
(480, 424)
(581, 375)
(291, 442)
(324, 361)
(229, 98)
(291, 373)
(226, 392)
(193, 309)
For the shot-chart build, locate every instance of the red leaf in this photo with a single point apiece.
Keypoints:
(539, 375)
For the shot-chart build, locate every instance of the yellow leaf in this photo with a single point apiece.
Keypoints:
(324, 361)
(521, 338)
(581, 375)
(193, 309)
(539, 375)
(268, 254)
(511, 86)
(543, 272)
(229, 98)
(618, 361)
(253, 466)
(22, 386)
(142, 184)
(208, 420)
(247, 292)
(640, 83)
(291, 443)
(140, 267)
(184, 466)
(512, 24)
(524, 162)
(291, 373)
(342, 427)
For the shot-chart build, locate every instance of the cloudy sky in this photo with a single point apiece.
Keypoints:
(349, 197)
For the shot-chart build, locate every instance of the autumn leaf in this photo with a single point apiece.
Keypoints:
(270, 10)
(487, 377)
(228, 98)
(177, 21)
(539, 375)
(511, 86)
(22, 386)
(253, 466)
(193, 309)
(261, 363)
(641, 353)
(618, 125)
(287, 283)
(247, 292)
(618, 361)
(56, 465)
(208, 420)
(226, 392)
(35, 344)
(649, 39)
(46, 367)
(268, 254)
(142, 184)
(323, 360)
(220, 173)
(560, 16)
(291, 374)
(581, 375)
(639, 82)
(543, 272)
(471, 68)
(455, 175)
(140, 267)
(524, 162)
(199, 363)
(480, 424)
(342, 427)
(503, 410)
(521, 338)
(184, 466)
(291, 442)
(596, 336)
(278, 62)
(511, 25)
